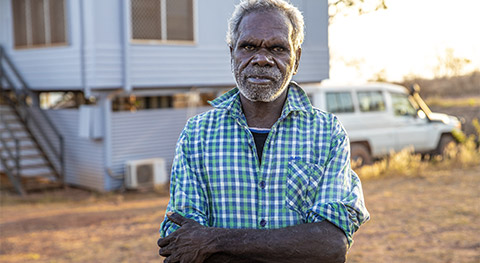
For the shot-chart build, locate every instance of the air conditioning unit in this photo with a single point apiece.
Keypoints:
(147, 173)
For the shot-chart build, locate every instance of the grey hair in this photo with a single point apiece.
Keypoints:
(246, 7)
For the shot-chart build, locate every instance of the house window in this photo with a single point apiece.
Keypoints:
(162, 20)
(176, 101)
(38, 23)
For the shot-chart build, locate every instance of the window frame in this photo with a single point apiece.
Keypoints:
(163, 19)
(47, 31)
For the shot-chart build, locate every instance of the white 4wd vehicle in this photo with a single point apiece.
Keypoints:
(380, 118)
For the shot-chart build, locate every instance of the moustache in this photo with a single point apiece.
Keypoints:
(257, 71)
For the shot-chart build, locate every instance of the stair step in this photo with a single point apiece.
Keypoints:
(15, 129)
(9, 118)
(20, 138)
(43, 175)
(23, 147)
(40, 182)
(34, 166)
(33, 183)
(14, 119)
(31, 166)
(32, 156)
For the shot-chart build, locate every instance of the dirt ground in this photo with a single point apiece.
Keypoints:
(433, 218)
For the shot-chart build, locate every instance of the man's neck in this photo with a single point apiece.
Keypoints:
(263, 114)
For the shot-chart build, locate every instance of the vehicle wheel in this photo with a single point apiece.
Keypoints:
(445, 140)
(360, 154)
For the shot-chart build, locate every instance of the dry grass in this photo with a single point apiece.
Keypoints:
(408, 164)
(453, 102)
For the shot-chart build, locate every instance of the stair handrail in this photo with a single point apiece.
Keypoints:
(26, 90)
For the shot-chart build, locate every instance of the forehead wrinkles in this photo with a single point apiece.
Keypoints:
(270, 23)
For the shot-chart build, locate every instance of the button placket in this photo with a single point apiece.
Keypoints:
(263, 223)
(263, 184)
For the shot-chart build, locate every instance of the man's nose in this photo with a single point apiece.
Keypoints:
(263, 60)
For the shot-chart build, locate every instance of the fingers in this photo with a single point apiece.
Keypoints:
(171, 259)
(163, 241)
(164, 251)
(177, 218)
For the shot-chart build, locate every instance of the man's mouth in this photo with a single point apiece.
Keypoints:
(259, 80)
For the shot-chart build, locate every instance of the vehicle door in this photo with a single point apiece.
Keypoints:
(374, 122)
(410, 129)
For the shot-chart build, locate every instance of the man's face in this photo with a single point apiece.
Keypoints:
(263, 58)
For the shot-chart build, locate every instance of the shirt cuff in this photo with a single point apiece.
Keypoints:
(338, 214)
(167, 227)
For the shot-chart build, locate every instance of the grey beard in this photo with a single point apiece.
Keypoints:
(260, 93)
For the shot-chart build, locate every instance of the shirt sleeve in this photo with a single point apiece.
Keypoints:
(339, 196)
(187, 195)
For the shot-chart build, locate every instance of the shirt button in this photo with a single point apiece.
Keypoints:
(263, 223)
(263, 184)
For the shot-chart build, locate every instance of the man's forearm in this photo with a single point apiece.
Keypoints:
(315, 242)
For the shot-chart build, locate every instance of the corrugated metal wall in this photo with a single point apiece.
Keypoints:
(84, 158)
(146, 134)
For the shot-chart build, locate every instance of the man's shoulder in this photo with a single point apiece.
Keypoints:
(325, 121)
(205, 118)
(322, 116)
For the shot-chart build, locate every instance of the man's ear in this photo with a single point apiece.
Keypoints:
(298, 54)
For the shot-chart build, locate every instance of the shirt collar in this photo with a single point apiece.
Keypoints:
(297, 100)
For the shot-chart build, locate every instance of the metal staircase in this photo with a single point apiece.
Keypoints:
(31, 148)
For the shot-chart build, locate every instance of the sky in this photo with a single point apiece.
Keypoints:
(405, 39)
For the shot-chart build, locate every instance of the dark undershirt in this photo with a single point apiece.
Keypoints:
(260, 138)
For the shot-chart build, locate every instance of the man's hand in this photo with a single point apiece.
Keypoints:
(192, 242)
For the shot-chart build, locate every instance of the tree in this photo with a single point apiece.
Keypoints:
(360, 7)
(379, 76)
(450, 65)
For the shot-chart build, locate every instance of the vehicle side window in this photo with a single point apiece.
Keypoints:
(402, 105)
(371, 101)
(339, 102)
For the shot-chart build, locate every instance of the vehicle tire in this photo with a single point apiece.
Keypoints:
(360, 154)
(444, 141)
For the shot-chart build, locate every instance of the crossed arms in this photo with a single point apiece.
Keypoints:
(313, 242)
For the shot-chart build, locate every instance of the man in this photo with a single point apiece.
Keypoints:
(263, 177)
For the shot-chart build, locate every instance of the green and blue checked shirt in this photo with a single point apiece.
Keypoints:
(305, 175)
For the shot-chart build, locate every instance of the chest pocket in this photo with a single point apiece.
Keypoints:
(303, 180)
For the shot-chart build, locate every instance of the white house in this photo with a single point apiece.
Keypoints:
(124, 70)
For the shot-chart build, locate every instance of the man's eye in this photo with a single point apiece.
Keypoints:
(249, 48)
(278, 49)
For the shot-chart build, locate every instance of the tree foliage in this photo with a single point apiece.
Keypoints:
(360, 7)
(450, 65)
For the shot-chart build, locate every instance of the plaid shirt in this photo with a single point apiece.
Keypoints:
(305, 175)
